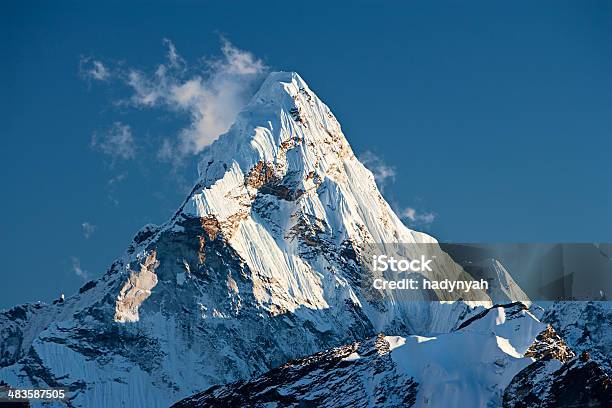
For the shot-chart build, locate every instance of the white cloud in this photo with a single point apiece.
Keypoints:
(78, 271)
(117, 179)
(237, 61)
(212, 98)
(88, 229)
(174, 59)
(382, 172)
(165, 151)
(117, 142)
(93, 69)
(417, 218)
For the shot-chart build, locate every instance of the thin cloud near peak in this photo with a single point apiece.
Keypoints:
(211, 97)
(117, 142)
(383, 173)
(77, 269)
(416, 217)
(92, 69)
(88, 229)
(211, 93)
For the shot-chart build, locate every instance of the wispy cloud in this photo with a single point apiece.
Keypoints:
(210, 93)
(117, 179)
(117, 142)
(88, 229)
(383, 173)
(211, 97)
(112, 184)
(90, 68)
(76, 268)
(174, 59)
(417, 218)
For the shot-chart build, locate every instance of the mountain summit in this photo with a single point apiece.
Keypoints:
(262, 263)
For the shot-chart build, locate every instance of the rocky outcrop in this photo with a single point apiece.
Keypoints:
(548, 345)
(136, 290)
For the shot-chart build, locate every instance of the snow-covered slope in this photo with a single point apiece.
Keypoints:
(268, 248)
(469, 367)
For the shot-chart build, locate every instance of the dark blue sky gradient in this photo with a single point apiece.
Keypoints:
(496, 115)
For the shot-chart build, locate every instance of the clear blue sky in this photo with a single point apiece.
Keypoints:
(496, 116)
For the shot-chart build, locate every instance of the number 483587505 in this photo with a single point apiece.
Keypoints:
(36, 394)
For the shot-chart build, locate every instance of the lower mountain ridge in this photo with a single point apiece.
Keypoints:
(502, 357)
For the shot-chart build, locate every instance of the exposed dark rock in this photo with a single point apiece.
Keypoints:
(549, 345)
(550, 384)
(87, 286)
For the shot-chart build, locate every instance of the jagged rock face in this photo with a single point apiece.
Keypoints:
(12, 324)
(469, 367)
(267, 249)
(136, 290)
(548, 345)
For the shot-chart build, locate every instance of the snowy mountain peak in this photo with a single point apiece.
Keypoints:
(283, 188)
(283, 115)
(287, 143)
